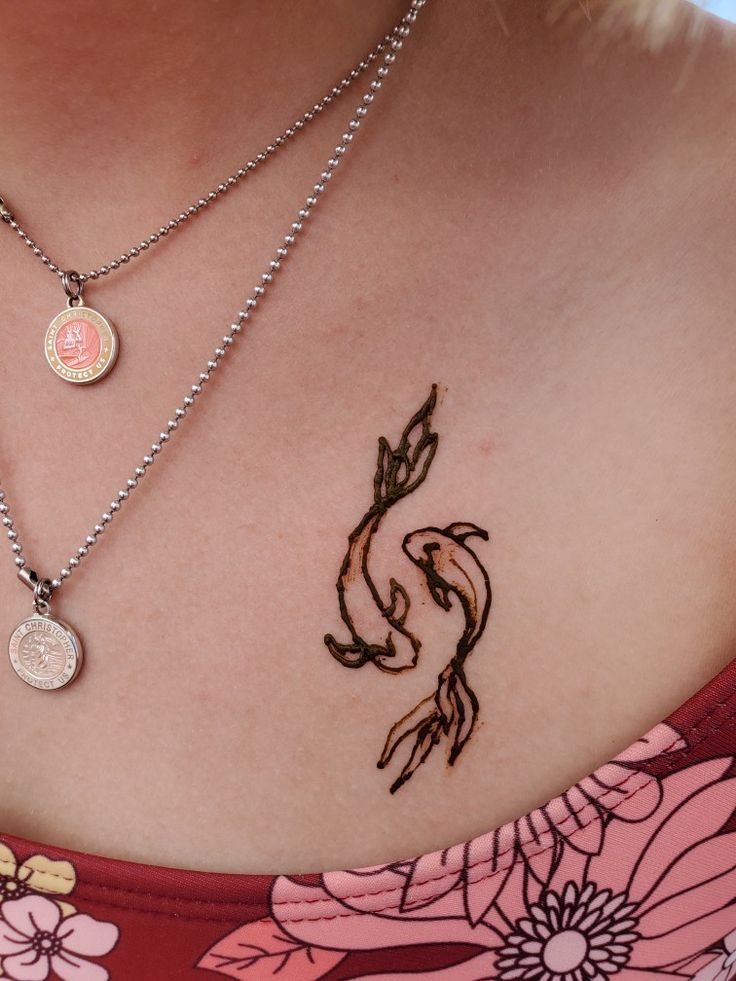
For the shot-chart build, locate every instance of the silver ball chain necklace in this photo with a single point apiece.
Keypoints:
(44, 651)
(81, 345)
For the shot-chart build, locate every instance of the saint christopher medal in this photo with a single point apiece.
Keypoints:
(44, 651)
(81, 345)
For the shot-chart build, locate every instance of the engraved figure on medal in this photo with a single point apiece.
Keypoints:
(81, 345)
(78, 344)
(41, 654)
(45, 652)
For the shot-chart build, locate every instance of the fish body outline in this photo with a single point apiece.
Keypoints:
(451, 566)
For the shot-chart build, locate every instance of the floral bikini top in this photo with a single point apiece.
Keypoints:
(630, 875)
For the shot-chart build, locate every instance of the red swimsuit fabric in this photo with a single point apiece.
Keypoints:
(628, 875)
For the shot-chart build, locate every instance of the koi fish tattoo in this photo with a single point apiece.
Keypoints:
(376, 618)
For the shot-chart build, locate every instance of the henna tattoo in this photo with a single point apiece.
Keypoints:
(451, 568)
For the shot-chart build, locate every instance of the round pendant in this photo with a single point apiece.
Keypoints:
(45, 652)
(81, 345)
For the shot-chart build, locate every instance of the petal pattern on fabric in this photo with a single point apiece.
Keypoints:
(26, 966)
(8, 864)
(46, 875)
(430, 879)
(82, 934)
(71, 968)
(632, 795)
(31, 913)
(685, 941)
(482, 893)
(663, 738)
(701, 815)
(11, 940)
(576, 819)
(708, 867)
(626, 841)
(713, 971)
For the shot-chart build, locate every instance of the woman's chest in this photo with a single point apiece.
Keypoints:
(555, 517)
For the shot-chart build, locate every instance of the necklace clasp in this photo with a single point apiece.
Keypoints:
(42, 589)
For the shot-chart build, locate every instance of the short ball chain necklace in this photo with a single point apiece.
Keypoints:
(81, 345)
(46, 652)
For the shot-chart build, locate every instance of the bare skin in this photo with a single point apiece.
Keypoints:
(546, 234)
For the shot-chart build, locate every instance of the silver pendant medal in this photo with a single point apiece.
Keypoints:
(81, 345)
(44, 652)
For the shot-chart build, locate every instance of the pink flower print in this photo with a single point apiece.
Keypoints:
(654, 901)
(580, 935)
(576, 819)
(659, 892)
(35, 939)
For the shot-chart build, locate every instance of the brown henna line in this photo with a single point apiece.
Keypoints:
(392, 482)
(451, 568)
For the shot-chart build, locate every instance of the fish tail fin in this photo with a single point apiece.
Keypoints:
(424, 723)
(404, 728)
(425, 726)
(451, 712)
(460, 709)
(402, 468)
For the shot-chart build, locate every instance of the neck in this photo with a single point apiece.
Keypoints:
(171, 78)
(117, 102)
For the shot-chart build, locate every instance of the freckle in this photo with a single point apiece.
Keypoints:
(486, 447)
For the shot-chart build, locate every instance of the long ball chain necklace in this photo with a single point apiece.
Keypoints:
(46, 652)
(81, 345)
